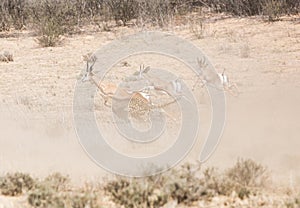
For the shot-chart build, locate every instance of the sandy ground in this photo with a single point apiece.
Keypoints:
(263, 59)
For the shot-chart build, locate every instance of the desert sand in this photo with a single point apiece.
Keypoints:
(263, 122)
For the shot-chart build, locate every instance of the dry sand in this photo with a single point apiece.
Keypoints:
(263, 122)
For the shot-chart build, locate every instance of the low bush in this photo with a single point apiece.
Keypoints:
(16, 184)
(51, 19)
(45, 197)
(49, 192)
(187, 185)
(84, 199)
(180, 184)
(247, 172)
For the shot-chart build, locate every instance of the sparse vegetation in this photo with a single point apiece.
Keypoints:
(53, 18)
(45, 196)
(83, 200)
(197, 27)
(133, 193)
(16, 184)
(186, 185)
(248, 173)
(54, 191)
(49, 192)
(13, 13)
(254, 7)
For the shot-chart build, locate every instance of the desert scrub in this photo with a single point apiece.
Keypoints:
(246, 176)
(57, 182)
(13, 14)
(50, 192)
(84, 199)
(54, 192)
(180, 184)
(16, 184)
(155, 12)
(44, 196)
(123, 10)
(133, 193)
(215, 183)
(249, 173)
(52, 19)
(184, 184)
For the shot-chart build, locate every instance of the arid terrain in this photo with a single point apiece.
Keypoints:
(262, 123)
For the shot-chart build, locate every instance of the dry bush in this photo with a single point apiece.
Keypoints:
(133, 193)
(83, 200)
(54, 191)
(249, 173)
(183, 7)
(161, 12)
(187, 185)
(271, 8)
(57, 181)
(235, 7)
(179, 184)
(244, 178)
(197, 27)
(44, 196)
(215, 183)
(155, 12)
(123, 10)
(152, 12)
(13, 14)
(53, 18)
(16, 184)
(50, 33)
(184, 184)
(88, 10)
(49, 192)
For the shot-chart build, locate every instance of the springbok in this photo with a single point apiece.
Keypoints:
(134, 92)
(219, 81)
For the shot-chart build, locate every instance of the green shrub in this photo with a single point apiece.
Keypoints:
(16, 184)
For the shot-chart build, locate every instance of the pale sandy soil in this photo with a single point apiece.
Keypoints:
(263, 122)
